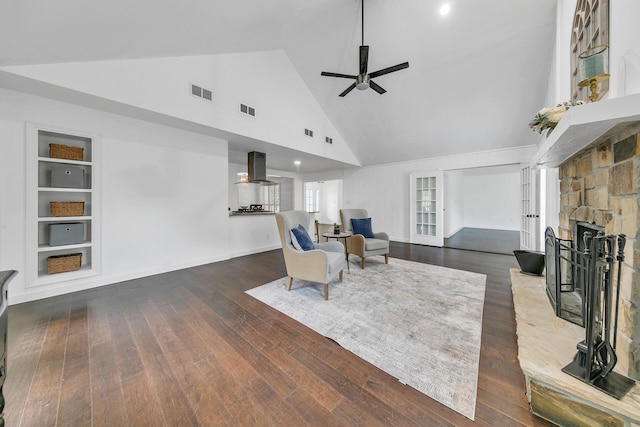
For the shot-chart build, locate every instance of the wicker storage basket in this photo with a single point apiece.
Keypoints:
(67, 208)
(63, 263)
(67, 152)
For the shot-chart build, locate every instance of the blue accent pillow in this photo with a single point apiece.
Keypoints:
(303, 238)
(362, 226)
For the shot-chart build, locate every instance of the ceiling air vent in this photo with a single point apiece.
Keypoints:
(308, 132)
(201, 92)
(328, 140)
(247, 110)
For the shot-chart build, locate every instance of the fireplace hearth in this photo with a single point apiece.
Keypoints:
(546, 343)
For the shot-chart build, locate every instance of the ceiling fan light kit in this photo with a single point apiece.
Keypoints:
(362, 81)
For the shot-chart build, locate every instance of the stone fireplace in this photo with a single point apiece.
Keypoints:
(596, 150)
(600, 185)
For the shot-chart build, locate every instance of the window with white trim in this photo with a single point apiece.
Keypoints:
(270, 197)
(313, 200)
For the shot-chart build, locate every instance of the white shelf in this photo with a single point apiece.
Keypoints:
(65, 190)
(40, 195)
(64, 161)
(63, 218)
(584, 125)
(47, 248)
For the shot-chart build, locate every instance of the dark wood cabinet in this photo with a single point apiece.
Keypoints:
(5, 278)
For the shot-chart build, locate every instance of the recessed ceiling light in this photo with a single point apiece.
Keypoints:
(445, 9)
(297, 162)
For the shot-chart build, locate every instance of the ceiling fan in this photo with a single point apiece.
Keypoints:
(363, 79)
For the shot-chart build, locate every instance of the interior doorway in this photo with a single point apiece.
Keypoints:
(323, 199)
(482, 209)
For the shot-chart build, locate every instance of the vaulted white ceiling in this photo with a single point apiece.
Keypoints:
(476, 76)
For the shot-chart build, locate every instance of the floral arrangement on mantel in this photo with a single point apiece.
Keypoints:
(548, 117)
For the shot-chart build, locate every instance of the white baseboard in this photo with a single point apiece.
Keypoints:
(451, 234)
(252, 251)
(37, 293)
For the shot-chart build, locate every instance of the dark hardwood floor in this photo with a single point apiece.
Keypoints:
(189, 348)
(485, 240)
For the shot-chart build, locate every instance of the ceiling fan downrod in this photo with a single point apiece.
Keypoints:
(362, 26)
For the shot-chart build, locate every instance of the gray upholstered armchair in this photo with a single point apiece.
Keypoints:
(358, 244)
(320, 264)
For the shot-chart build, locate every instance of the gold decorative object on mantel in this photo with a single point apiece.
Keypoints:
(593, 68)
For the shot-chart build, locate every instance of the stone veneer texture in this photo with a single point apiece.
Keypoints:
(601, 185)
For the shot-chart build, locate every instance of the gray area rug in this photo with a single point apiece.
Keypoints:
(418, 322)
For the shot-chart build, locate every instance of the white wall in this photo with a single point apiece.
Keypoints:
(558, 90)
(287, 192)
(492, 197)
(164, 193)
(624, 50)
(624, 67)
(251, 234)
(384, 190)
(284, 104)
(453, 202)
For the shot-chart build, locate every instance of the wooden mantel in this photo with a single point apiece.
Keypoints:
(587, 124)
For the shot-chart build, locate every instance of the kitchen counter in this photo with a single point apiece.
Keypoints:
(250, 236)
(236, 213)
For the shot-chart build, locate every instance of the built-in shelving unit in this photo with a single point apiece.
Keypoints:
(41, 191)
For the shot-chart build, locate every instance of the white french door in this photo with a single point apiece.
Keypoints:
(426, 208)
(529, 223)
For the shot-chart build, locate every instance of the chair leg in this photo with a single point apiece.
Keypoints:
(363, 263)
(289, 283)
(340, 276)
(386, 258)
(326, 291)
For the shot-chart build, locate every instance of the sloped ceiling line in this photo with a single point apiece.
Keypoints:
(476, 76)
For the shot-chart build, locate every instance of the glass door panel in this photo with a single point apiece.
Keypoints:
(426, 216)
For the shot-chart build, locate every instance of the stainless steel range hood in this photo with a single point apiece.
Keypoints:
(257, 168)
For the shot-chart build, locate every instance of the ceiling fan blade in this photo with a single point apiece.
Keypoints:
(373, 85)
(364, 59)
(344, 76)
(389, 70)
(349, 89)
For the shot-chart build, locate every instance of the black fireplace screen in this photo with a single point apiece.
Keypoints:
(566, 276)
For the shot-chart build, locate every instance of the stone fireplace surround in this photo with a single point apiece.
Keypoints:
(596, 148)
(601, 186)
